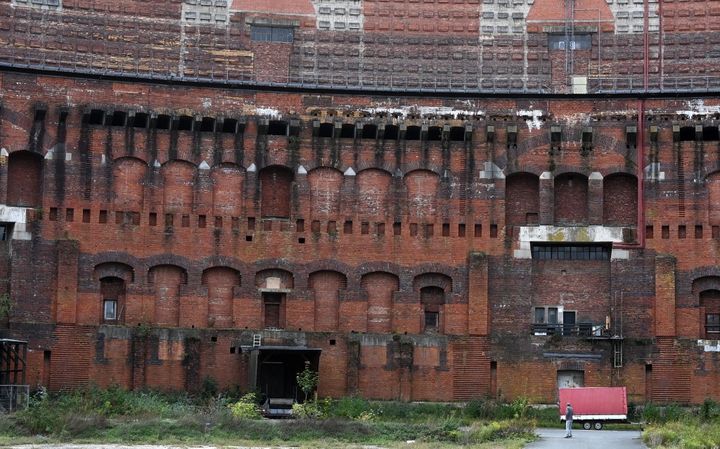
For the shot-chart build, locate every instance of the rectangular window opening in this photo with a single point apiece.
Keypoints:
(698, 231)
(202, 221)
(380, 228)
(413, 229)
(397, 228)
(478, 230)
(461, 230)
(69, 215)
(300, 225)
(103, 217)
(549, 251)
(110, 309)
(649, 232)
(185, 221)
(446, 230)
(152, 219)
(682, 231)
(86, 216)
(347, 227)
(364, 228)
(665, 231)
(267, 33)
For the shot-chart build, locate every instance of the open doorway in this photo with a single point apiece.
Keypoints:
(276, 370)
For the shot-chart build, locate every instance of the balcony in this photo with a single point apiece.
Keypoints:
(584, 330)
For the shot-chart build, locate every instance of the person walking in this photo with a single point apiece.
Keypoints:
(568, 420)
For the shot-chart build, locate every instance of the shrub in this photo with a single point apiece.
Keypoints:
(246, 407)
(308, 410)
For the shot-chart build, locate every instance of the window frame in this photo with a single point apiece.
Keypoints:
(106, 303)
(546, 327)
(272, 33)
(714, 326)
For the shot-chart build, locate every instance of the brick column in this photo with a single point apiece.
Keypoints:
(547, 198)
(595, 199)
(665, 296)
(3, 175)
(478, 323)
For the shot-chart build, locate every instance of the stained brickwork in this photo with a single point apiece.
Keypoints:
(392, 235)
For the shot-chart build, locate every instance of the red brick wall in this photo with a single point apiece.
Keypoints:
(521, 199)
(620, 200)
(24, 183)
(571, 199)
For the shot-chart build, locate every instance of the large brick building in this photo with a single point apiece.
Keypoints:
(425, 199)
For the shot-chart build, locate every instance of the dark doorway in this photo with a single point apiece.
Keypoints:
(569, 323)
(273, 304)
(277, 370)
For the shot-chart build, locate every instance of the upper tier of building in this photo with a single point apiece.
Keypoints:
(465, 46)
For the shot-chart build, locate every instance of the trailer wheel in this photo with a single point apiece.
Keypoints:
(597, 425)
(587, 425)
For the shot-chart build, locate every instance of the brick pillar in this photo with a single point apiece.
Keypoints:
(478, 294)
(67, 282)
(547, 198)
(3, 175)
(665, 296)
(595, 199)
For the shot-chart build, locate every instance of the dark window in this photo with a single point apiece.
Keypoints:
(369, 131)
(570, 252)
(163, 121)
(207, 125)
(412, 133)
(119, 118)
(457, 134)
(272, 303)
(710, 133)
(347, 131)
(687, 133)
(4, 232)
(265, 33)
(434, 133)
(140, 120)
(277, 128)
(185, 123)
(326, 130)
(712, 323)
(391, 132)
(230, 125)
(431, 319)
(567, 42)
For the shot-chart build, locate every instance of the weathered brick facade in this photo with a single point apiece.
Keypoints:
(419, 199)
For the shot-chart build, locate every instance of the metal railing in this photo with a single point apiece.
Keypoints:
(14, 397)
(570, 330)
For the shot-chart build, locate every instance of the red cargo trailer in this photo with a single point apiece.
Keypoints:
(593, 406)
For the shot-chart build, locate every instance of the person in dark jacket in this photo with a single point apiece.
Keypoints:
(568, 420)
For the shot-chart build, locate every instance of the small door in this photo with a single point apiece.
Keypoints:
(570, 378)
(273, 304)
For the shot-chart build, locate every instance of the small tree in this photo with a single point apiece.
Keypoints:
(307, 380)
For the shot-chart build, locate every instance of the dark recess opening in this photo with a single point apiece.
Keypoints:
(369, 131)
(391, 132)
(207, 125)
(277, 128)
(434, 133)
(229, 126)
(96, 117)
(412, 133)
(185, 123)
(163, 121)
(710, 133)
(40, 115)
(457, 134)
(119, 118)
(687, 133)
(347, 131)
(326, 130)
(140, 120)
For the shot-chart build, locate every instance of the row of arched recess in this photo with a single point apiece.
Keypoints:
(272, 301)
(707, 291)
(571, 200)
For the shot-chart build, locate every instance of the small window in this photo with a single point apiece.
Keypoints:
(431, 320)
(265, 33)
(4, 232)
(712, 323)
(567, 42)
(110, 309)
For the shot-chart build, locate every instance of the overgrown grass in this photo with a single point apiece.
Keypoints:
(683, 428)
(116, 416)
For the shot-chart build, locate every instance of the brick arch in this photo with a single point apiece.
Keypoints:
(379, 286)
(571, 199)
(129, 183)
(326, 285)
(422, 189)
(220, 282)
(374, 187)
(25, 179)
(166, 281)
(422, 166)
(114, 269)
(522, 199)
(704, 283)
(275, 191)
(178, 180)
(286, 278)
(620, 200)
(440, 280)
(386, 166)
(325, 186)
(228, 180)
